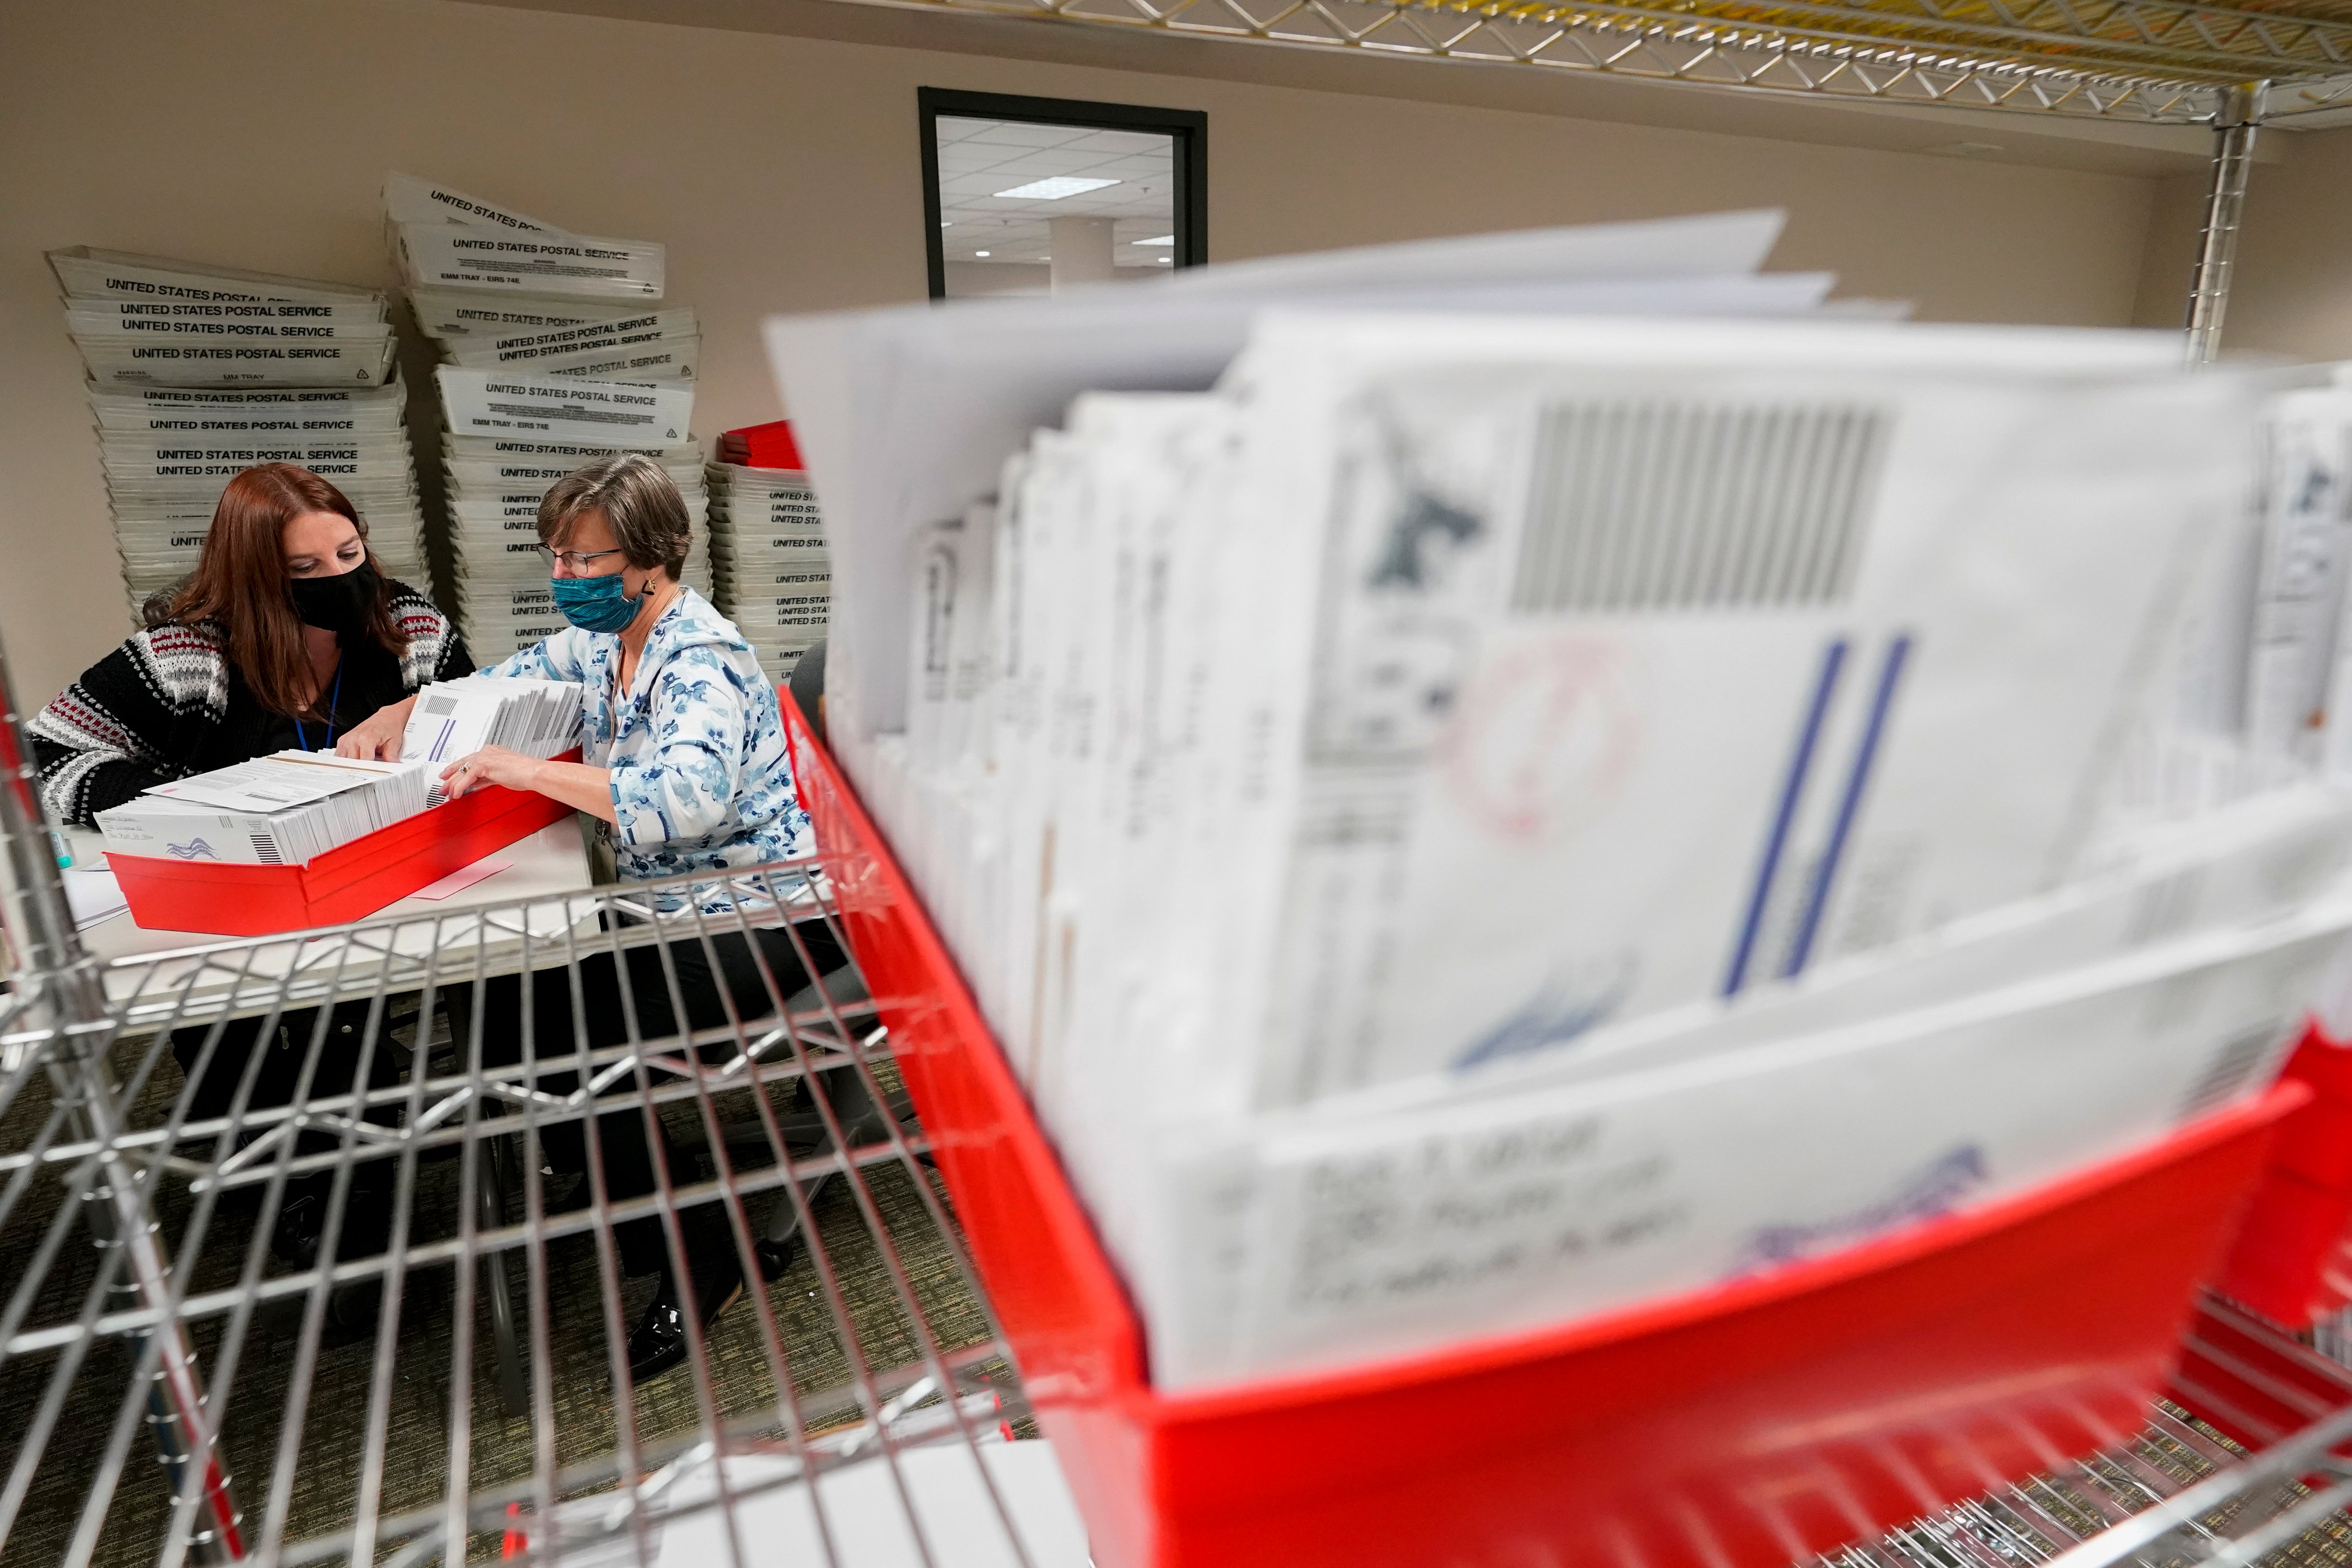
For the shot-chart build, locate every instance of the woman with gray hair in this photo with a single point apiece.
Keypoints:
(683, 769)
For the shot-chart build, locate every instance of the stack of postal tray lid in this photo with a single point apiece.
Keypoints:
(767, 549)
(556, 350)
(197, 372)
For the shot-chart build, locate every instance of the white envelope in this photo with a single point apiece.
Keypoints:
(905, 415)
(1768, 742)
(2262, 859)
(1349, 1241)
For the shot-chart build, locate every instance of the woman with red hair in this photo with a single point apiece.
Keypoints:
(287, 635)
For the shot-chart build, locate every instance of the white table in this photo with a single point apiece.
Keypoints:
(170, 976)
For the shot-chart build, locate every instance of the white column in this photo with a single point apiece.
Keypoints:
(1082, 252)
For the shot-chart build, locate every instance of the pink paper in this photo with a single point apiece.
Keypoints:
(458, 881)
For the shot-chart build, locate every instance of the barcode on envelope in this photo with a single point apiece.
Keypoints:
(1663, 505)
(2231, 1071)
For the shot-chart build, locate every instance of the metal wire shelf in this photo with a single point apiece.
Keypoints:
(491, 1396)
(2176, 1496)
(2151, 61)
(488, 1411)
(2171, 1497)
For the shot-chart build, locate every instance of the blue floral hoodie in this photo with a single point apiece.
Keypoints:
(700, 779)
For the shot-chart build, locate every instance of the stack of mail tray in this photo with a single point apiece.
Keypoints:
(198, 372)
(774, 572)
(556, 350)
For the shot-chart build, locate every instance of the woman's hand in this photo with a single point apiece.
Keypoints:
(491, 766)
(377, 738)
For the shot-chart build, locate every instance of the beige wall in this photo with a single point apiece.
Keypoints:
(782, 172)
(2175, 212)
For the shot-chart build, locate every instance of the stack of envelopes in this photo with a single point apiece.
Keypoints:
(285, 810)
(1476, 788)
(453, 719)
(198, 372)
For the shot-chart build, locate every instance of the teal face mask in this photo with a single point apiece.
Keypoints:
(598, 603)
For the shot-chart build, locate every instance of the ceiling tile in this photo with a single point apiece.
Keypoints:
(1014, 133)
(1129, 141)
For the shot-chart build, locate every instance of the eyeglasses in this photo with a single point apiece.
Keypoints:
(574, 558)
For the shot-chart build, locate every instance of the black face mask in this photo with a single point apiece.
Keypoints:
(339, 605)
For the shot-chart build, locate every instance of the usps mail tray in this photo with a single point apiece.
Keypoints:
(344, 884)
(1750, 1425)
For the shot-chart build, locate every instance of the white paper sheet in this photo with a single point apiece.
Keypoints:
(962, 1518)
(905, 415)
(1349, 1241)
(92, 895)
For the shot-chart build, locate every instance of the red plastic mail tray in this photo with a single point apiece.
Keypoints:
(769, 446)
(1749, 1425)
(2292, 1259)
(344, 884)
(2253, 1383)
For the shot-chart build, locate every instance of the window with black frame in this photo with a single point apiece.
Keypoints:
(1028, 196)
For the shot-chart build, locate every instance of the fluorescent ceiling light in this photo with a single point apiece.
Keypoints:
(1163, 239)
(1055, 188)
(979, 253)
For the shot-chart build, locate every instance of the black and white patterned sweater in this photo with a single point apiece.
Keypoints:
(168, 703)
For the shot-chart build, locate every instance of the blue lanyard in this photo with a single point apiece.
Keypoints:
(333, 702)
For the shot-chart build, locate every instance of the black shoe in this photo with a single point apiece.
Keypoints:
(658, 1342)
(772, 1253)
(356, 1304)
(367, 1218)
(366, 1233)
(301, 1220)
(774, 1258)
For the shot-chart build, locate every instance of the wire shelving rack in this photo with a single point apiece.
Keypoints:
(486, 1412)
